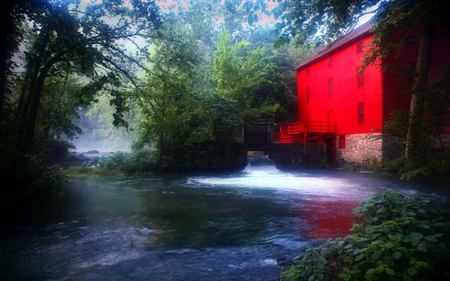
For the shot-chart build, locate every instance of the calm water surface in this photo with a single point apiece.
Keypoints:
(242, 226)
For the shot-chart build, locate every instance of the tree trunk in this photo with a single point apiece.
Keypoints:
(160, 152)
(424, 59)
(23, 109)
(33, 66)
(6, 25)
(34, 106)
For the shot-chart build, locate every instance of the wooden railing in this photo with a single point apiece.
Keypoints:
(296, 128)
(321, 127)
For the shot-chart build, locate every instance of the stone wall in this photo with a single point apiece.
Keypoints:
(445, 139)
(391, 148)
(360, 149)
(367, 149)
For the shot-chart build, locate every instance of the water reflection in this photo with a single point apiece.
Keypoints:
(242, 226)
(324, 203)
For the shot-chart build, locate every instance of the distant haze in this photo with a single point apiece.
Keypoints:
(86, 143)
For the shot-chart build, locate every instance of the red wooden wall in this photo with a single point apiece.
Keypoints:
(334, 92)
(395, 85)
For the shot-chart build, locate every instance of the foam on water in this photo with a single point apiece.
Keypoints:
(268, 176)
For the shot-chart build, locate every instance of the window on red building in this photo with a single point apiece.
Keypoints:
(360, 112)
(341, 142)
(330, 62)
(411, 41)
(307, 72)
(330, 87)
(307, 94)
(411, 71)
(360, 79)
(360, 47)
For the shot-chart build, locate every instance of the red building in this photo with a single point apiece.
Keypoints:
(345, 109)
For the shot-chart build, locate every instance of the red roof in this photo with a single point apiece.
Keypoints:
(349, 39)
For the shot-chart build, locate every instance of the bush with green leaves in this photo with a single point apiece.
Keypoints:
(396, 237)
(29, 184)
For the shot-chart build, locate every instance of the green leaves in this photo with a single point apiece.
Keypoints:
(412, 271)
(405, 243)
(240, 75)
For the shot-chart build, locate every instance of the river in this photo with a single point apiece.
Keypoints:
(241, 226)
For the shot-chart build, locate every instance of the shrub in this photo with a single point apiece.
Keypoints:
(54, 151)
(396, 237)
(438, 168)
(29, 184)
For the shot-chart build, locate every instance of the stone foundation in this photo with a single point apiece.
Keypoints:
(360, 148)
(364, 150)
(445, 139)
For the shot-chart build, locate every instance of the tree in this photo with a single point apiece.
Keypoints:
(99, 132)
(279, 82)
(80, 41)
(12, 17)
(239, 73)
(168, 103)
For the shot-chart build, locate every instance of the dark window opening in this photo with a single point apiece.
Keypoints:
(360, 80)
(411, 41)
(330, 87)
(341, 142)
(307, 72)
(411, 71)
(307, 95)
(360, 112)
(330, 62)
(360, 47)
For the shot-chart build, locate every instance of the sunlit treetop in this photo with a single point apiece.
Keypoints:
(324, 21)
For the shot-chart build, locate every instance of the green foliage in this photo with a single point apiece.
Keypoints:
(97, 123)
(69, 39)
(54, 151)
(239, 74)
(29, 184)
(202, 157)
(198, 96)
(396, 237)
(137, 162)
(438, 168)
(428, 156)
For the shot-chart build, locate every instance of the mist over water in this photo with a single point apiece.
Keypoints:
(240, 226)
(85, 143)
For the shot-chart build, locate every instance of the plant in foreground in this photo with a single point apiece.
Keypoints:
(396, 237)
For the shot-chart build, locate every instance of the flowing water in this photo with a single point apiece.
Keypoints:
(242, 226)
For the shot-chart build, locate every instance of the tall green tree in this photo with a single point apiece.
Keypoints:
(13, 15)
(168, 103)
(279, 83)
(239, 73)
(86, 41)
